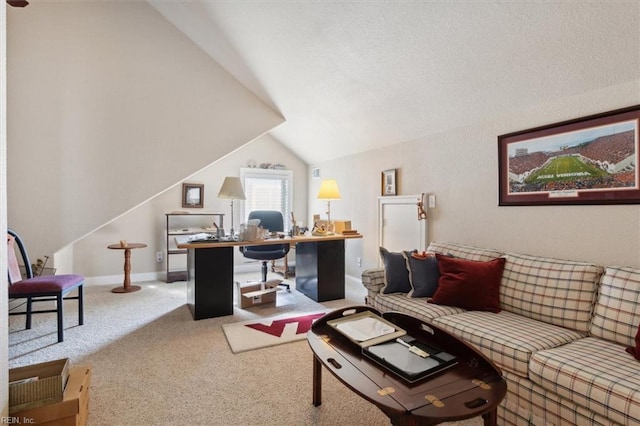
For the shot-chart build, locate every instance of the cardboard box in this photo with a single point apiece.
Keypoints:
(73, 410)
(256, 293)
(39, 384)
(341, 225)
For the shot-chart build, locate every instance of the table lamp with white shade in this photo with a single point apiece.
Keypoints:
(329, 191)
(232, 189)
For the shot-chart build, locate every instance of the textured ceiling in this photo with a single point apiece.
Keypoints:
(355, 76)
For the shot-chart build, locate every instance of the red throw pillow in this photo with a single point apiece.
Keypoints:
(469, 284)
(635, 351)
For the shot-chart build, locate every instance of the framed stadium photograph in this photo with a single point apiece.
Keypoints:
(588, 160)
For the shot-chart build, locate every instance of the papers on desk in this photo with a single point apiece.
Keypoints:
(201, 238)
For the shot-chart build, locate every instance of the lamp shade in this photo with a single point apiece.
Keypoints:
(329, 190)
(232, 188)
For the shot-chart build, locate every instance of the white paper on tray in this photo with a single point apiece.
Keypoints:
(364, 329)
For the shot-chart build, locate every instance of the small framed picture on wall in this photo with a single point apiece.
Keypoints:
(389, 182)
(192, 195)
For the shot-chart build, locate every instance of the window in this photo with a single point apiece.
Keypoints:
(267, 189)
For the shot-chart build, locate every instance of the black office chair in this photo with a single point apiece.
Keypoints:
(42, 288)
(273, 221)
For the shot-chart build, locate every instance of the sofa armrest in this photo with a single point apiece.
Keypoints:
(373, 280)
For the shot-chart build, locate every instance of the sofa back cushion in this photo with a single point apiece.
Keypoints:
(617, 312)
(469, 284)
(463, 251)
(396, 274)
(559, 292)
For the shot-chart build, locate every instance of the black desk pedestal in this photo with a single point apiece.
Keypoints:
(210, 285)
(320, 275)
(320, 269)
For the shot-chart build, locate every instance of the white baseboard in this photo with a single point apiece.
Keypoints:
(156, 276)
(117, 279)
(161, 276)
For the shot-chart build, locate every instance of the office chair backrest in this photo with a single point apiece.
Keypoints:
(269, 219)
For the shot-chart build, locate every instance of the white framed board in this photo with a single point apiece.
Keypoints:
(398, 225)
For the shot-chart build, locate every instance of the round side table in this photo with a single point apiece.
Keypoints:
(126, 286)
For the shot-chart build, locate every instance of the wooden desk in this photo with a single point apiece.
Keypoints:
(473, 387)
(126, 286)
(320, 271)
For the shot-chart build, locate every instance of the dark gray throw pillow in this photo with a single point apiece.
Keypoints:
(423, 275)
(396, 275)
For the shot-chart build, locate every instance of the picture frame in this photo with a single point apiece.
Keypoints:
(587, 160)
(388, 182)
(193, 195)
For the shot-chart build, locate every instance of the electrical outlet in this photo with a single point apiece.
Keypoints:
(359, 262)
(159, 257)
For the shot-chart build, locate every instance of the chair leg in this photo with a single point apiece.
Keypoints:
(285, 285)
(264, 271)
(29, 310)
(60, 317)
(286, 267)
(80, 305)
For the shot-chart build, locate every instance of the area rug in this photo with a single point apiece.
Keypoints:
(261, 333)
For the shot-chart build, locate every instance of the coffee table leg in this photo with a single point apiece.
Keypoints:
(491, 418)
(317, 381)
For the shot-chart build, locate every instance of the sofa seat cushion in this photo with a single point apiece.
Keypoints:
(595, 374)
(617, 312)
(541, 407)
(507, 339)
(559, 292)
(417, 307)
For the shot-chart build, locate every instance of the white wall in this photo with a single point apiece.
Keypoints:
(109, 105)
(146, 223)
(461, 168)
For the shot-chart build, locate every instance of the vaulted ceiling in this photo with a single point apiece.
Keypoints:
(355, 76)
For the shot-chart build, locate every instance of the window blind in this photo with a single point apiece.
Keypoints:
(267, 189)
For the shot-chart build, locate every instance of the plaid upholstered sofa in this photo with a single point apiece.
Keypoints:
(559, 338)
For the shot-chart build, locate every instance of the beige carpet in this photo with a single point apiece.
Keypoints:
(153, 365)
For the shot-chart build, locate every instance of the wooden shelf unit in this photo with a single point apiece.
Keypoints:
(172, 250)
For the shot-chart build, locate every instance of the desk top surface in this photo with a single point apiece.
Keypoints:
(182, 242)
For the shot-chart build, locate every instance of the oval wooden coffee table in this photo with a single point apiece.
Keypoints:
(127, 247)
(473, 387)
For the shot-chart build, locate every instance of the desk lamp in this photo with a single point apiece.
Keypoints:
(329, 191)
(232, 189)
